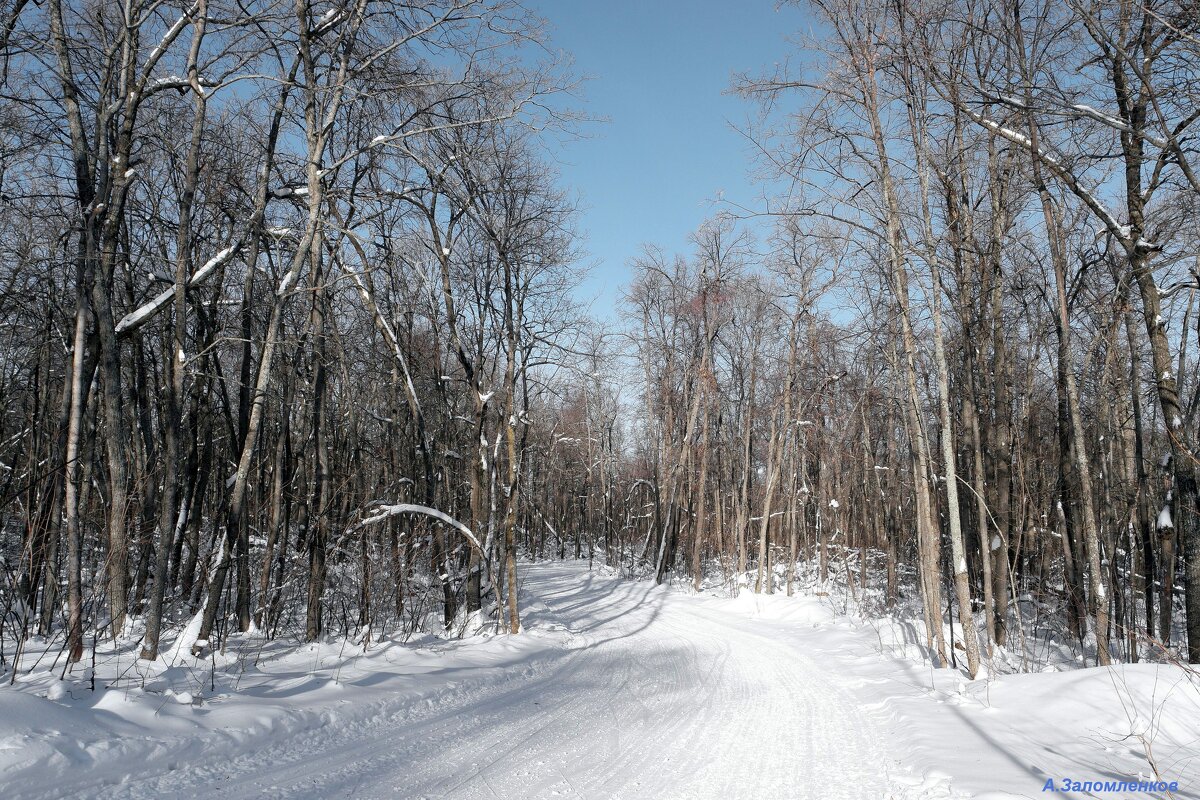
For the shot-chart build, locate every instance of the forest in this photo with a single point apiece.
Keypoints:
(293, 342)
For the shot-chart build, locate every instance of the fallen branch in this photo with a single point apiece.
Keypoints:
(386, 512)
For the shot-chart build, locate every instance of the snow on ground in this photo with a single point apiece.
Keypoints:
(617, 689)
(1006, 736)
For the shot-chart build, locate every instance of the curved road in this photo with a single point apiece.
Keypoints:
(659, 695)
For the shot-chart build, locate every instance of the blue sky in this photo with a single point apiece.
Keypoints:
(658, 71)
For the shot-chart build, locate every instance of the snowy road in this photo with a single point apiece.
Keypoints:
(615, 689)
(656, 695)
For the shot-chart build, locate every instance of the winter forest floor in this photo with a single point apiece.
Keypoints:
(617, 688)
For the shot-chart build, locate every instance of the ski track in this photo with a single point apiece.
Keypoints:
(656, 696)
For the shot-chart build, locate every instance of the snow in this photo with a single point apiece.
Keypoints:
(1164, 521)
(384, 512)
(138, 317)
(1117, 123)
(181, 651)
(617, 688)
(1088, 197)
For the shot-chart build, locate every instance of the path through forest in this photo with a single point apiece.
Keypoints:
(656, 697)
(617, 689)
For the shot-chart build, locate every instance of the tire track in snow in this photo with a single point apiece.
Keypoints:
(658, 695)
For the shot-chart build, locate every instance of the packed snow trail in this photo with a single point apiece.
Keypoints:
(655, 695)
(615, 689)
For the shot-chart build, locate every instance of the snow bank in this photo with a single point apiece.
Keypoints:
(182, 715)
(1005, 735)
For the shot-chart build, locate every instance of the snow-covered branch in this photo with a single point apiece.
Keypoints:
(141, 315)
(1114, 227)
(386, 512)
